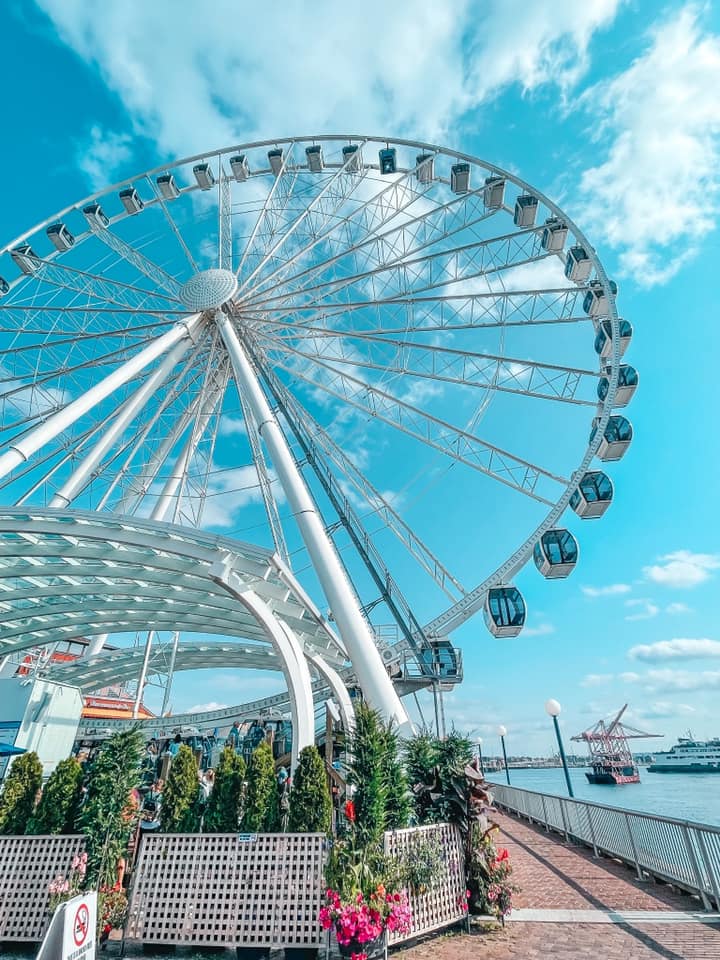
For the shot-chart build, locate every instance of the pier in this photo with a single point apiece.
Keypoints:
(573, 904)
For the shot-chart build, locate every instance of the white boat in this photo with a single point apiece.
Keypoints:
(689, 756)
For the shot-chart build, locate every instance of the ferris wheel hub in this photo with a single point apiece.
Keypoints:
(208, 290)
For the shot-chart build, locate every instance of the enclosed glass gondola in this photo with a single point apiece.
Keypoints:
(444, 660)
(578, 264)
(4, 287)
(526, 207)
(616, 439)
(60, 237)
(494, 192)
(425, 171)
(204, 175)
(595, 302)
(314, 157)
(627, 385)
(593, 495)
(275, 159)
(504, 611)
(240, 167)
(555, 554)
(167, 186)
(130, 199)
(25, 258)
(352, 158)
(388, 160)
(460, 177)
(603, 340)
(95, 215)
(554, 235)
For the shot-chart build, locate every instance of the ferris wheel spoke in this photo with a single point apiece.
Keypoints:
(173, 226)
(443, 436)
(435, 271)
(159, 278)
(270, 214)
(413, 235)
(361, 221)
(545, 381)
(378, 505)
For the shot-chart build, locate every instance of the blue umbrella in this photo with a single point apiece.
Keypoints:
(8, 750)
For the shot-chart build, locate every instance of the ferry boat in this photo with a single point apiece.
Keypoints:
(689, 756)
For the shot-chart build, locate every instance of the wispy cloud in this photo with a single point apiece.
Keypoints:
(675, 609)
(104, 155)
(611, 590)
(597, 679)
(654, 195)
(680, 648)
(644, 609)
(683, 569)
(541, 630)
(664, 710)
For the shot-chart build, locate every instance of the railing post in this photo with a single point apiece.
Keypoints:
(714, 879)
(592, 832)
(564, 820)
(545, 816)
(634, 849)
(696, 867)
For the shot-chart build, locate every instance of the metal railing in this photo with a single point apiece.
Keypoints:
(680, 852)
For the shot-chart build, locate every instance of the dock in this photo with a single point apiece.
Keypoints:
(573, 905)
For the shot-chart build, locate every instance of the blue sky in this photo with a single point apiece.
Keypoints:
(611, 109)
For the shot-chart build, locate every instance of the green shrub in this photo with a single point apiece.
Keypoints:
(310, 803)
(261, 812)
(109, 813)
(179, 811)
(60, 801)
(19, 792)
(224, 807)
(367, 773)
(421, 760)
(398, 806)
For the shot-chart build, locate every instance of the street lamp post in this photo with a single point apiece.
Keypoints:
(480, 759)
(501, 733)
(553, 708)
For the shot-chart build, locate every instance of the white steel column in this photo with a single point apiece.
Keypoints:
(367, 662)
(24, 448)
(74, 484)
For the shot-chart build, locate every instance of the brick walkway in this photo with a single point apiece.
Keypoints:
(557, 876)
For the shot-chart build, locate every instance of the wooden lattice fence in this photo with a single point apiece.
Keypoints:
(444, 902)
(27, 866)
(262, 890)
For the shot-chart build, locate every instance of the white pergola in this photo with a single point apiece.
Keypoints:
(81, 574)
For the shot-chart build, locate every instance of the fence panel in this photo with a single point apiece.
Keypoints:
(683, 853)
(263, 890)
(444, 902)
(27, 866)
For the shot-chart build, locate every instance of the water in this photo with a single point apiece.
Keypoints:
(694, 796)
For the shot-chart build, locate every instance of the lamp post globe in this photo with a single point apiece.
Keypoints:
(501, 731)
(552, 708)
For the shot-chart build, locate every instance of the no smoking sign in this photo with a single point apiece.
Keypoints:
(81, 924)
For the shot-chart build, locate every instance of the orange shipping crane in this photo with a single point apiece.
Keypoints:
(610, 756)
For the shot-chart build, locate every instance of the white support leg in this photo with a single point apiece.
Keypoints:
(335, 682)
(128, 411)
(367, 662)
(26, 446)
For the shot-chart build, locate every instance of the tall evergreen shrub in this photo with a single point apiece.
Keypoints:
(261, 812)
(367, 773)
(109, 812)
(398, 805)
(60, 801)
(310, 802)
(224, 807)
(19, 792)
(421, 760)
(179, 808)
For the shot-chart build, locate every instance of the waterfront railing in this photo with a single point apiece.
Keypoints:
(680, 852)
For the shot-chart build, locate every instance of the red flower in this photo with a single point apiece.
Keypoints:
(350, 811)
(502, 854)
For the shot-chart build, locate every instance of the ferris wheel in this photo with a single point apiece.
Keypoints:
(395, 365)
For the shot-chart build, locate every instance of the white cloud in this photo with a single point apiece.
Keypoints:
(234, 71)
(680, 648)
(597, 679)
(683, 569)
(231, 490)
(645, 609)
(541, 630)
(668, 681)
(655, 195)
(662, 709)
(612, 590)
(104, 155)
(677, 608)
(205, 707)
(232, 426)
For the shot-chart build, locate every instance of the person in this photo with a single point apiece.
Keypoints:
(233, 738)
(150, 814)
(175, 745)
(207, 782)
